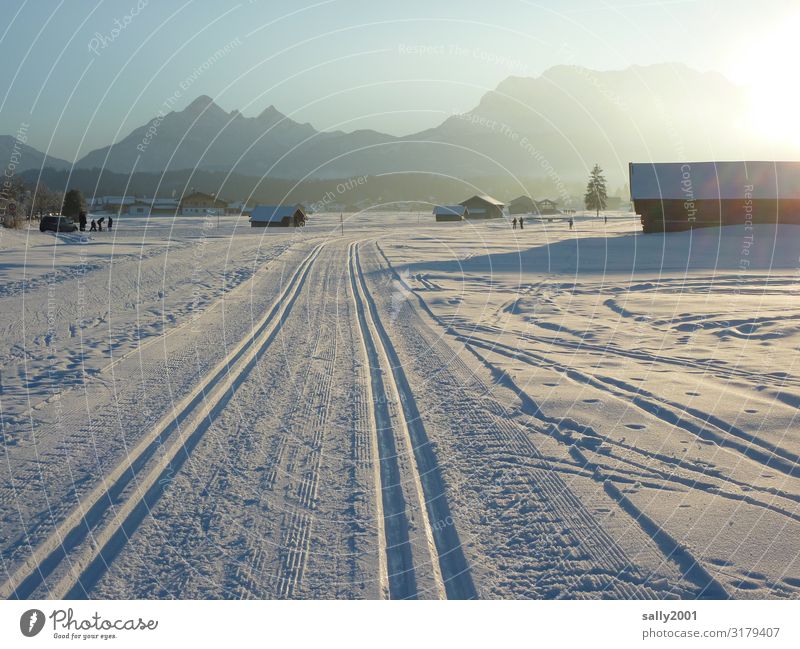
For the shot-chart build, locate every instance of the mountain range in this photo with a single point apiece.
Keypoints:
(24, 157)
(556, 125)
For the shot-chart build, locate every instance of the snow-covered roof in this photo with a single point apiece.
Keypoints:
(692, 181)
(449, 210)
(522, 199)
(485, 198)
(269, 213)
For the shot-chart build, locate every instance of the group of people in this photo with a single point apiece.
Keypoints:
(95, 225)
(521, 222)
(521, 227)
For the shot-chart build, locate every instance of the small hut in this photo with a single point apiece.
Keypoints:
(522, 205)
(450, 212)
(482, 206)
(278, 216)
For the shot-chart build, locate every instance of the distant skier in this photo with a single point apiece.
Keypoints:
(514, 223)
(570, 223)
(110, 223)
(520, 223)
(605, 219)
(82, 221)
(93, 226)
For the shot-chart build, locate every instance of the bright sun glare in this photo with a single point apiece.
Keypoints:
(768, 67)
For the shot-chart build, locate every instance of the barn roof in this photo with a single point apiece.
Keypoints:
(449, 210)
(521, 199)
(209, 198)
(269, 213)
(486, 199)
(691, 181)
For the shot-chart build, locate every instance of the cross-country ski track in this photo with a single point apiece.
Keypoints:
(355, 434)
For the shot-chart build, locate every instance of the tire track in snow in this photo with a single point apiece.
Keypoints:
(80, 548)
(451, 574)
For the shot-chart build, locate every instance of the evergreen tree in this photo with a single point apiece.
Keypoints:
(73, 203)
(595, 198)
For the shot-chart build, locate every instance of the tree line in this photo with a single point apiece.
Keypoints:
(21, 201)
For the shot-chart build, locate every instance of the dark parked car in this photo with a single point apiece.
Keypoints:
(57, 224)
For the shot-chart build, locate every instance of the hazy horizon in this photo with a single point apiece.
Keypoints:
(81, 78)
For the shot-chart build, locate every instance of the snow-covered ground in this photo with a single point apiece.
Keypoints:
(402, 409)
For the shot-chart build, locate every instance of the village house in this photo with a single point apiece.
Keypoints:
(201, 204)
(238, 207)
(153, 207)
(119, 204)
(272, 216)
(482, 206)
(546, 207)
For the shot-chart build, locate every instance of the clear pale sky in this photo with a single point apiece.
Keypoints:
(398, 67)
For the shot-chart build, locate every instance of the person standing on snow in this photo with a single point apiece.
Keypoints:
(570, 223)
(514, 223)
(110, 222)
(520, 223)
(93, 226)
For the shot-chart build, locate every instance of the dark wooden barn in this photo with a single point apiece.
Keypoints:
(522, 205)
(280, 216)
(482, 206)
(676, 196)
(450, 212)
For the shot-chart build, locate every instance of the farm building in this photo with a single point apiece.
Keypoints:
(482, 206)
(200, 204)
(118, 204)
(153, 206)
(238, 207)
(684, 195)
(272, 216)
(547, 206)
(522, 205)
(450, 212)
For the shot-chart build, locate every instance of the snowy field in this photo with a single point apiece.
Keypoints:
(405, 409)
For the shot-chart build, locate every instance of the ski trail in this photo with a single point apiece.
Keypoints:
(608, 561)
(447, 562)
(700, 424)
(394, 530)
(101, 524)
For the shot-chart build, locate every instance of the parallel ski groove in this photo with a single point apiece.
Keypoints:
(89, 520)
(450, 569)
(558, 507)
